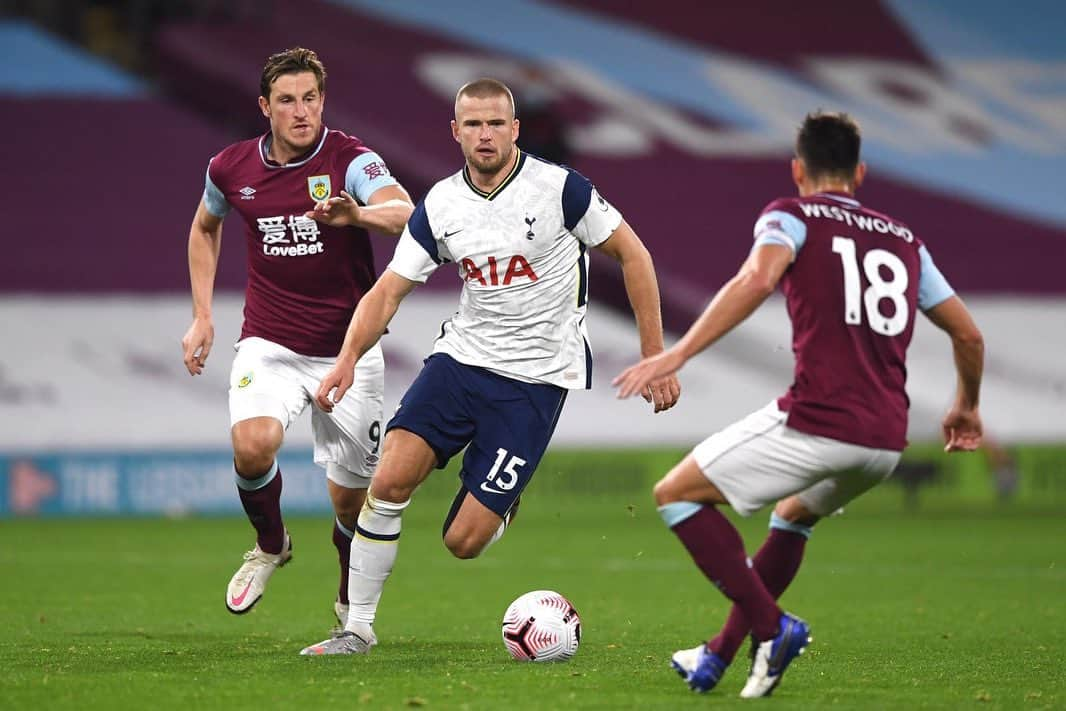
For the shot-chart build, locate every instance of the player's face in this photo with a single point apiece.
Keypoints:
(486, 130)
(295, 111)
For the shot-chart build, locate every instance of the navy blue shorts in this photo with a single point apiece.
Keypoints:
(506, 423)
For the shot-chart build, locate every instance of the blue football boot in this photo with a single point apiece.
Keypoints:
(699, 667)
(772, 657)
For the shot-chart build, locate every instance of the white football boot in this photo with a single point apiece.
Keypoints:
(248, 583)
(344, 642)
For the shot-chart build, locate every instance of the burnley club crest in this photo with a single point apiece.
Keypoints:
(319, 187)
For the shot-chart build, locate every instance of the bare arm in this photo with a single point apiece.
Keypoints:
(205, 241)
(738, 299)
(387, 210)
(734, 302)
(962, 425)
(642, 289)
(369, 321)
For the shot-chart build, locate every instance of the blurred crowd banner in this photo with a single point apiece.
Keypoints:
(201, 483)
(171, 484)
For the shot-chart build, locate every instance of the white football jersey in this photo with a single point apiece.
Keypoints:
(522, 253)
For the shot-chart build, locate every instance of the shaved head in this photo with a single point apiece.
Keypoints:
(485, 88)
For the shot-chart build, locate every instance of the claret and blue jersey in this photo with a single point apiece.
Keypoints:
(521, 252)
(304, 277)
(853, 289)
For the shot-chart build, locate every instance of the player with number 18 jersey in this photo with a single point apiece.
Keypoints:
(854, 281)
(852, 292)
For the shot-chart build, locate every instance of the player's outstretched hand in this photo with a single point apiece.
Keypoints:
(334, 385)
(962, 430)
(196, 344)
(654, 373)
(336, 211)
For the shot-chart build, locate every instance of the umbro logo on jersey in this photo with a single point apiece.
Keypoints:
(449, 234)
(247, 193)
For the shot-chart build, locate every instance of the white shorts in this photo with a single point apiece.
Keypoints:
(760, 460)
(268, 380)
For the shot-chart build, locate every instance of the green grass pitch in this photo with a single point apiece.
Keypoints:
(947, 607)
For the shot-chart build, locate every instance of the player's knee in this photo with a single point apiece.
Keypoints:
(254, 448)
(393, 483)
(793, 510)
(252, 457)
(463, 540)
(395, 491)
(665, 493)
(463, 547)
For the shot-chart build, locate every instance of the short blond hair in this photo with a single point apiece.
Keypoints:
(486, 88)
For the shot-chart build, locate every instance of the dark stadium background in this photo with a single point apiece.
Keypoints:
(682, 113)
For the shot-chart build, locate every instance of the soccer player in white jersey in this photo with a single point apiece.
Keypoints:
(519, 229)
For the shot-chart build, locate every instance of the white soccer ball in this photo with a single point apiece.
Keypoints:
(541, 626)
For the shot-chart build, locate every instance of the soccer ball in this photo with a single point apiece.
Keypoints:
(541, 626)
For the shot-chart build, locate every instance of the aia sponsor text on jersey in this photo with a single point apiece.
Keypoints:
(488, 274)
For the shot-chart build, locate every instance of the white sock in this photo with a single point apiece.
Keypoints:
(373, 554)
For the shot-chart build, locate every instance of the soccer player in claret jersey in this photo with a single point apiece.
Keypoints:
(519, 230)
(853, 281)
(305, 277)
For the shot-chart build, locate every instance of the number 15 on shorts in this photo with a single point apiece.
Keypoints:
(502, 478)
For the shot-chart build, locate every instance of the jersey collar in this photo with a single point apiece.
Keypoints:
(264, 147)
(499, 188)
(840, 197)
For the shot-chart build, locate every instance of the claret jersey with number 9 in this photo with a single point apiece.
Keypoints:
(853, 289)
